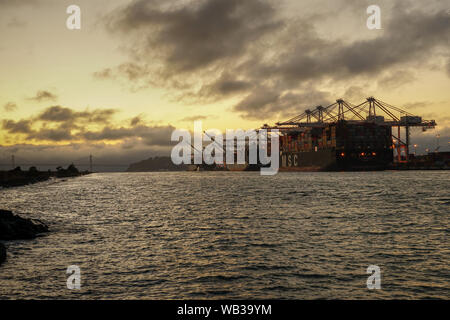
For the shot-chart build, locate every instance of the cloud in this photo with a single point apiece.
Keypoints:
(61, 133)
(10, 106)
(225, 85)
(62, 124)
(64, 114)
(265, 102)
(56, 113)
(21, 126)
(199, 33)
(251, 52)
(407, 37)
(43, 95)
(187, 43)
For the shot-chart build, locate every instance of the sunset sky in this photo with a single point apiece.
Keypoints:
(137, 69)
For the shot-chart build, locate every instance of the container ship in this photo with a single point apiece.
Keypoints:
(341, 137)
(338, 146)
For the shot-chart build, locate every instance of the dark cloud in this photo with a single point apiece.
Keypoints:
(10, 106)
(21, 126)
(60, 133)
(43, 95)
(209, 50)
(265, 102)
(56, 113)
(64, 114)
(196, 34)
(57, 123)
(258, 102)
(409, 36)
(25, 127)
(225, 85)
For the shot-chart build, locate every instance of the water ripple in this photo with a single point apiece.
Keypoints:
(233, 235)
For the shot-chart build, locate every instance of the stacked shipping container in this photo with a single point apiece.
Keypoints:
(342, 145)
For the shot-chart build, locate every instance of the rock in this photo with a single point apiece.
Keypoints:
(13, 227)
(71, 171)
(2, 253)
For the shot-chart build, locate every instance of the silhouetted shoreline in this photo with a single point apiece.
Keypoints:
(18, 177)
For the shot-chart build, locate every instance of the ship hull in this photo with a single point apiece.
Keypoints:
(337, 147)
(340, 146)
(328, 160)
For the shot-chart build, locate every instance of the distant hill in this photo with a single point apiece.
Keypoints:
(155, 164)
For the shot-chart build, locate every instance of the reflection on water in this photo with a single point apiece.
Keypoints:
(233, 235)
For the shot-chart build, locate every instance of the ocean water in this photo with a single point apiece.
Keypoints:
(231, 235)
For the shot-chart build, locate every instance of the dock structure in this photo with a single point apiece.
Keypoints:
(370, 112)
(338, 137)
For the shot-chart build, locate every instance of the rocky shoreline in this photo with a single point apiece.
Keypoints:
(14, 227)
(18, 177)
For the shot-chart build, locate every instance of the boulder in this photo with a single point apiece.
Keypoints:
(13, 227)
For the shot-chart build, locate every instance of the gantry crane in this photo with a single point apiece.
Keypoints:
(371, 110)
